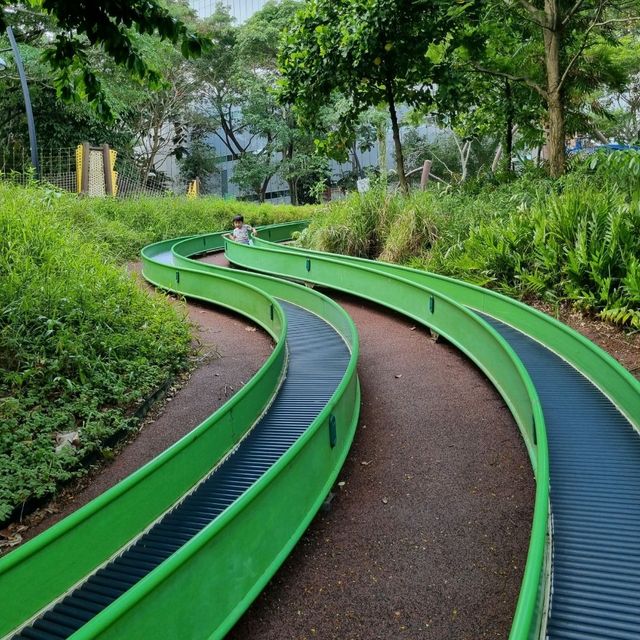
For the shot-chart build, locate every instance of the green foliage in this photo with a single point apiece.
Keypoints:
(123, 227)
(76, 28)
(622, 168)
(81, 344)
(237, 78)
(562, 52)
(199, 160)
(577, 239)
(446, 155)
(370, 52)
(380, 224)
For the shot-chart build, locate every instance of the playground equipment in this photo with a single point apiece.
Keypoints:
(175, 550)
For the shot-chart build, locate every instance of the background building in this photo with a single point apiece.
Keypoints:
(239, 9)
(278, 190)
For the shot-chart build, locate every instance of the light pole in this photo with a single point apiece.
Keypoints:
(33, 144)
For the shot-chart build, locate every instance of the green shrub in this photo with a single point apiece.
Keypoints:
(80, 345)
(128, 225)
(575, 239)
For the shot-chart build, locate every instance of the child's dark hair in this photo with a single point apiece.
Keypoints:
(238, 218)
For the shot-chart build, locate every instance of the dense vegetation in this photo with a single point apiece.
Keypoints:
(81, 345)
(576, 239)
(127, 225)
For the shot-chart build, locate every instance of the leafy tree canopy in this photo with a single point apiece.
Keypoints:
(77, 27)
(564, 53)
(370, 51)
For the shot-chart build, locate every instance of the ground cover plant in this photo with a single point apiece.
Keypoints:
(124, 226)
(81, 344)
(576, 239)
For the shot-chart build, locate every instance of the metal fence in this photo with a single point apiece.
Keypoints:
(58, 167)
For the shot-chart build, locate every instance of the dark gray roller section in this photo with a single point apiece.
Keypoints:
(318, 358)
(594, 458)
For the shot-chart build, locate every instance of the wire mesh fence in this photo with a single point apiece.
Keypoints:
(60, 168)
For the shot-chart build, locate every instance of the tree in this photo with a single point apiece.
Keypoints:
(567, 32)
(146, 126)
(150, 123)
(108, 25)
(371, 52)
(60, 124)
(616, 114)
(159, 120)
(237, 78)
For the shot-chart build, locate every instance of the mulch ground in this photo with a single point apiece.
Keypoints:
(427, 534)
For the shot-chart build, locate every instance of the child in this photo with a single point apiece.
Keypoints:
(241, 231)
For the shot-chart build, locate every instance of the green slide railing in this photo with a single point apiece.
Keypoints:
(595, 364)
(442, 312)
(175, 600)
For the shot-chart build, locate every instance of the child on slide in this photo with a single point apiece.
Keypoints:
(241, 232)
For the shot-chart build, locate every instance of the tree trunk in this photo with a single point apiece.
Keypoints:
(263, 189)
(465, 151)
(293, 190)
(151, 158)
(381, 134)
(508, 143)
(555, 139)
(552, 48)
(404, 185)
(355, 162)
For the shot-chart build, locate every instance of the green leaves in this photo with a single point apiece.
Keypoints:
(577, 240)
(111, 25)
(436, 52)
(81, 344)
(358, 48)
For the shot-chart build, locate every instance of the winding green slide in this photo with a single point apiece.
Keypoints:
(177, 549)
(578, 411)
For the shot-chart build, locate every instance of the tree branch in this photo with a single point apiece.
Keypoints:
(501, 74)
(572, 12)
(585, 41)
(534, 11)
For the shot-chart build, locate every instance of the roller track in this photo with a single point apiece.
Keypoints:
(174, 550)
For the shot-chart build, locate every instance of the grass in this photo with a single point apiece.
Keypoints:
(81, 344)
(124, 226)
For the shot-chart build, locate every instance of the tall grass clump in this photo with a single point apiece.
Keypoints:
(420, 227)
(80, 346)
(353, 226)
(125, 226)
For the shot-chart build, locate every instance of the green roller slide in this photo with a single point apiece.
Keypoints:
(178, 549)
(590, 400)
